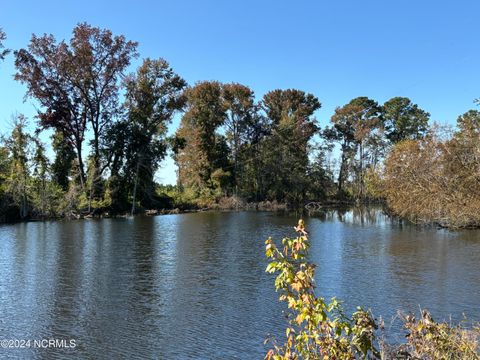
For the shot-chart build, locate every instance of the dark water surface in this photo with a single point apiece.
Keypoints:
(193, 286)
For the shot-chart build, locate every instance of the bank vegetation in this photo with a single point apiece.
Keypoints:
(101, 134)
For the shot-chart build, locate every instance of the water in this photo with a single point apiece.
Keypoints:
(193, 285)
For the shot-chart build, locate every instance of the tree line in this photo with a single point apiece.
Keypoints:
(110, 136)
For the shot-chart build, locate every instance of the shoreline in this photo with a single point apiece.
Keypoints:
(230, 206)
(308, 208)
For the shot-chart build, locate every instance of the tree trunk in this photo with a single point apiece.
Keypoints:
(80, 164)
(361, 192)
(341, 173)
(135, 187)
(23, 205)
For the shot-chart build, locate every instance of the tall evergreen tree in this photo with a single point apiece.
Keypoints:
(17, 183)
(64, 157)
(404, 120)
(357, 126)
(469, 122)
(40, 179)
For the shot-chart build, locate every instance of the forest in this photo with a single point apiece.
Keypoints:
(110, 135)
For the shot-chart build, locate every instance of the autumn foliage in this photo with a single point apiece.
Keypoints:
(317, 330)
(436, 179)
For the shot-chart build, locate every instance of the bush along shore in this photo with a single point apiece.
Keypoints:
(317, 329)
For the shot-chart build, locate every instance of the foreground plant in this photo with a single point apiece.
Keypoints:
(428, 339)
(316, 330)
(320, 330)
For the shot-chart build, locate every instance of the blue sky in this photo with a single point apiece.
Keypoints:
(338, 50)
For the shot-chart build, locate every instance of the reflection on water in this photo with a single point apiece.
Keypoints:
(194, 286)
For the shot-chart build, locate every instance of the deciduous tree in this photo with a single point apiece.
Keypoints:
(206, 112)
(285, 150)
(154, 93)
(435, 179)
(76, 84)
(241, 112)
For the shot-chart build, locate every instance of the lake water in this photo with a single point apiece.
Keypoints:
(194, 286)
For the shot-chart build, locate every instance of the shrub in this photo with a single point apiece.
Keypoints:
(428, 339)
(316, 330)
(319, 330)
(435, 180)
